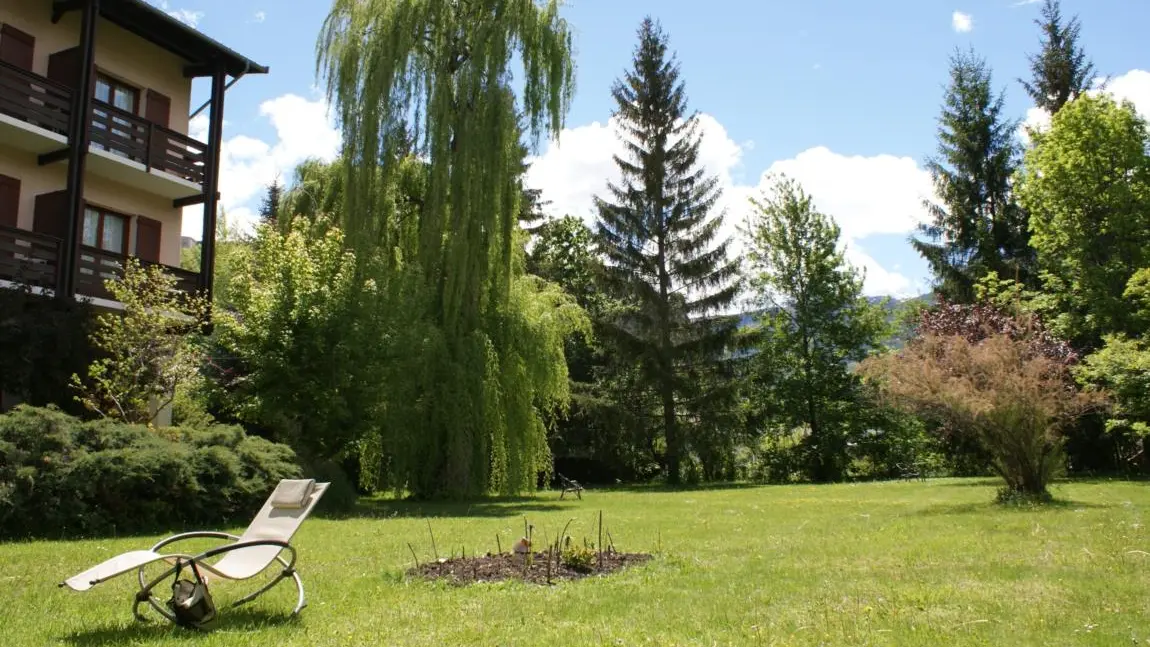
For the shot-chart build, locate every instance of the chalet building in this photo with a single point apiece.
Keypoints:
(96, 163)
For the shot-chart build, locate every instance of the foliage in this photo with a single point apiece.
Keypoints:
(300, 360)
(62, 476)
(977, 227)
(579, 557)
(1005, 383)
(1086, 183)
(816, 323)
(43, 342)
(148, 348)
(1061, 71)
(1122, 367)
(232, 249)
(658, 237)
(430, 199)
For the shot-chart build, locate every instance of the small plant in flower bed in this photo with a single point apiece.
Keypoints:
(579, 558)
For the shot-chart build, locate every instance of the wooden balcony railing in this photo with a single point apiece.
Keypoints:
(123, 133)
(34, 99)
(29, 258)
(45, 103)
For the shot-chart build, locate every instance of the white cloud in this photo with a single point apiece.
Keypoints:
(866, 195)
(259, 16)
(247, 165)
(1023, 3)
(187, 16)
(962, 22)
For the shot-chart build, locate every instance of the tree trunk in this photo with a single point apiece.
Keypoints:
(671, 430)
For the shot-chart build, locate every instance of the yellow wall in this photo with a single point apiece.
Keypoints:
(119, 53)
(36, 179)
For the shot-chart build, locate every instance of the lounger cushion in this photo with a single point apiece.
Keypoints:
(292, 494)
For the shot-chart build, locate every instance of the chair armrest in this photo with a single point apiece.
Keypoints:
(199, 534)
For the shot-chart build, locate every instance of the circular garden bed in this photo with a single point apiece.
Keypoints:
(505, 566)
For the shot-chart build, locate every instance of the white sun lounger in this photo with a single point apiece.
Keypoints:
(247, 556)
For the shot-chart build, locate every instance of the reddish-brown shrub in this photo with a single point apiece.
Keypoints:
(1000, 377)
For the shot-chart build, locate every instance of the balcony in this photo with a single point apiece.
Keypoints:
(29, 258)
(34, 116)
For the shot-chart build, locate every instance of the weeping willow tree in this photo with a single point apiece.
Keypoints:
(481, 357)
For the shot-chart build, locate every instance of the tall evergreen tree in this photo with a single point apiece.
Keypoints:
(816, 322)
(661, 244)
(977, 227)
(1061, 71)
(270, 208)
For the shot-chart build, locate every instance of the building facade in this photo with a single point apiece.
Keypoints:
(96, 160)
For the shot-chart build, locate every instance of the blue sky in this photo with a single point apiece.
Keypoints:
(841, 94)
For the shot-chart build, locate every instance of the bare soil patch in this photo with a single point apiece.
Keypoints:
(494, 568)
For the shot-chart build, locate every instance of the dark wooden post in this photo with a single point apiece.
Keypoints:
(212, 181)
(78, 135)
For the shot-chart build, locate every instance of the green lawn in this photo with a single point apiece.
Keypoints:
(873, 564)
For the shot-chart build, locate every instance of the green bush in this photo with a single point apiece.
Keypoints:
(61, 476)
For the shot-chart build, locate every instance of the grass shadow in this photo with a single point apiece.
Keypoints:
(981, 507)
(136, 633)
(664, 487)
(502, 507)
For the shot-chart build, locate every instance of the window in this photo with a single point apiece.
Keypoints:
(117, 93)
(105, 230)
(105, 125)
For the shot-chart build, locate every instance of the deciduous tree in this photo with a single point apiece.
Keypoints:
(816, 323)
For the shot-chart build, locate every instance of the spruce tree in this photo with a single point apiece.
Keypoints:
(1061, 70)
(660, 240)
(270, 207)
(977, 227)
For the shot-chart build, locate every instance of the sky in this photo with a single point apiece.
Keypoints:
(841, 95)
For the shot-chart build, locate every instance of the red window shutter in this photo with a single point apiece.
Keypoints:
(9, 200)
(158, 108)
(148, 233)
(64, 67)
(50, 215)
(16, 47)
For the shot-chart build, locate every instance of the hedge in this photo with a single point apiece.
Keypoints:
(61, 476)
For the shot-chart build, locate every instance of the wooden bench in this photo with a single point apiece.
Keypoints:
(910, 472)
(570, 486)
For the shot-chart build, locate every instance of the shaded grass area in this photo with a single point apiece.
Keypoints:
(892, 563)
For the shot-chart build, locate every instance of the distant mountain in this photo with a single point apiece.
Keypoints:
(748, 319)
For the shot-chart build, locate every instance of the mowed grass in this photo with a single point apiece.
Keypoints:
(870, 564)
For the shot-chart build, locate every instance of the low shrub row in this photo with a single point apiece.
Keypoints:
(61, 476)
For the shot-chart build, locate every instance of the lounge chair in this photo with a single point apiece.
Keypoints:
(248, 555)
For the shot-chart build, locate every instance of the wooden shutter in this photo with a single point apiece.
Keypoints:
(9, 200)
(64, 67)
(16, 47)
(157, 108)
(148, 239)
(50, 215)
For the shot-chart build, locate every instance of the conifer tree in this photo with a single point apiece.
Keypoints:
(1061, 71)
(269, 209)
(977, 227)
(661, 242)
